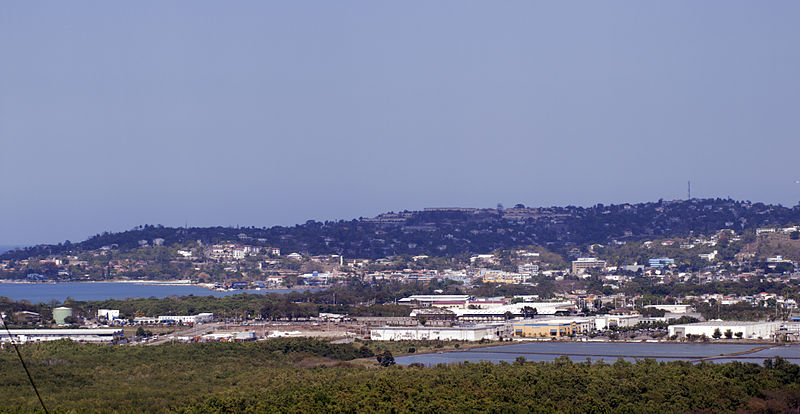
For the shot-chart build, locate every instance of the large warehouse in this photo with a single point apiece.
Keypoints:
(451, 333)
(498, 313)
(552, 327)
(80, 335)
(738, 329)
(199, 318)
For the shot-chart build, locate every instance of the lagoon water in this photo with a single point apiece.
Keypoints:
(608, 352)
(36, 293)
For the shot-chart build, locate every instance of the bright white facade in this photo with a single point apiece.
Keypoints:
(109, 314)
(43, 335)
(749, 330)
(516, 310)
(453, 333)
(430, 299)
(673, 308)
(199, 318)
(603, 322)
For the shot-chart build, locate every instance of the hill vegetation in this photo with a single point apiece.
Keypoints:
(450, 232)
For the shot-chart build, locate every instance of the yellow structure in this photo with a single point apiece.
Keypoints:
(545, 330)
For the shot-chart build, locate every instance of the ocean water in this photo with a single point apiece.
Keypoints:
(36, 293)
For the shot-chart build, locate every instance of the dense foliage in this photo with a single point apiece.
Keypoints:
(308, 376)
(356, 299)
(449, 233)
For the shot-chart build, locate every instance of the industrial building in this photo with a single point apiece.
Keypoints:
(434, 316)
(428, 300)
(603, 322)
(673, 308)
(738, 329)
(186, 319)
(61, 313)
(79, 335)
(451, 333)
(227, 337)
(553, 327)
(516, 310)
(108, 314)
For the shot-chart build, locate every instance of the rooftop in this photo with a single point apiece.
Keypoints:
(726, 323)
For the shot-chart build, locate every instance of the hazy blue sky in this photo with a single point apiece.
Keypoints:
(115, 114)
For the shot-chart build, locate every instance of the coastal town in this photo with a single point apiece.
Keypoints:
(721, 285)
(431, 317)
(420, 289)
(399, 207)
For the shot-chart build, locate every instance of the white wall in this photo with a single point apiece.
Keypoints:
(445, 334)
(763, 330)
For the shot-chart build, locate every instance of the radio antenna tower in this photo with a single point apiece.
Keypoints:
(689, 190)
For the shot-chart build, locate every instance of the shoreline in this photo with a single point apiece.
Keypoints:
(126, 281)
(209, 286)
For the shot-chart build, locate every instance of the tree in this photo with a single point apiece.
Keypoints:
(717, 334)
(739, 335)
(728, 334)
(529, 312)
(140, 331)
(385, 359)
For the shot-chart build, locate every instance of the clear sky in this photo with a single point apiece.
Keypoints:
(115, 114)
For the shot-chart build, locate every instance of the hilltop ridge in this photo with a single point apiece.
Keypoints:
(457, 230)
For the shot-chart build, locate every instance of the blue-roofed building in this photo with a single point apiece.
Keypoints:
(660, 262)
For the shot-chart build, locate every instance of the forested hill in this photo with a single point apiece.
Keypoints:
(452, 231)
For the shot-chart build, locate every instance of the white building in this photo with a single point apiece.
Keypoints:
(583, 324)
(516, 310)
(145, 320)
(452, 333)
(109, 314)
(603, 322)
(673, 308)
(582, 264)
(528, 269)
(79, 335)
(709, 256)
(430, 299)
(748, 330)
(199, 318)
